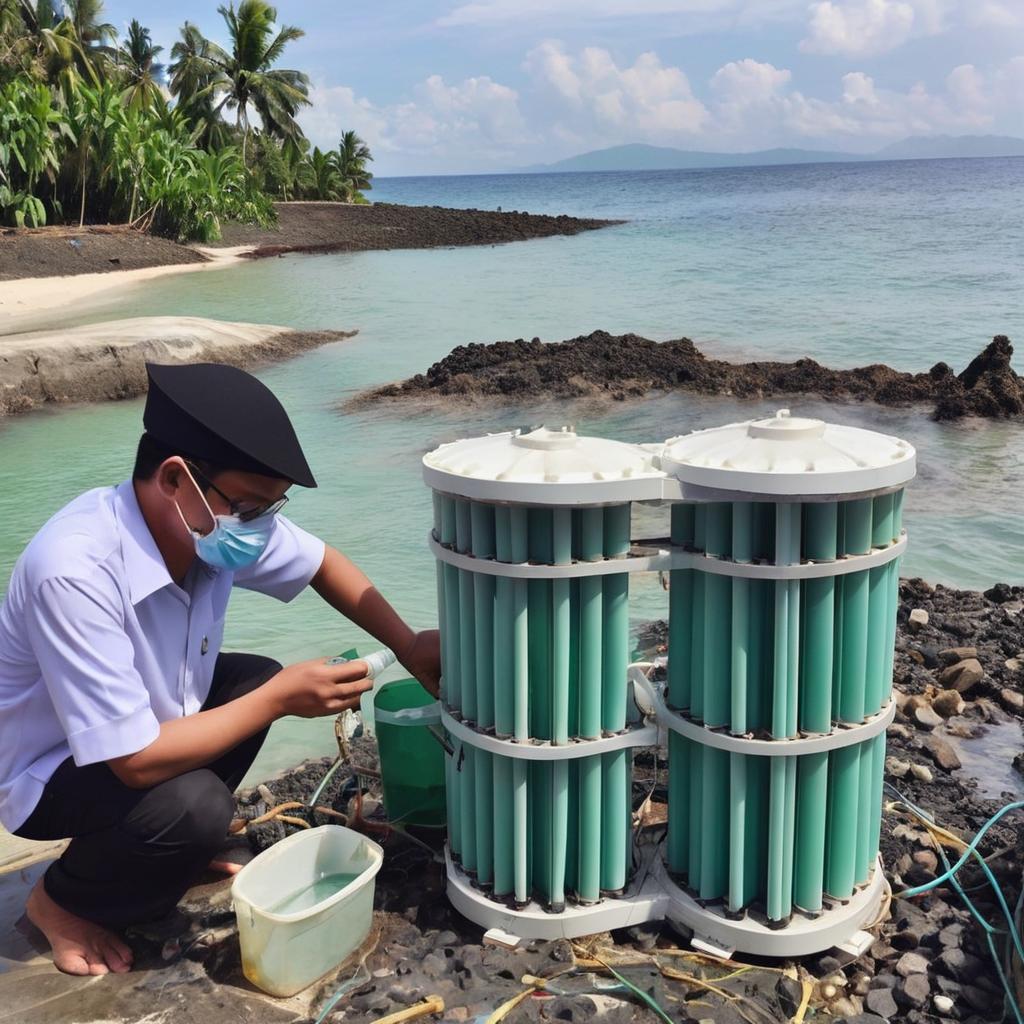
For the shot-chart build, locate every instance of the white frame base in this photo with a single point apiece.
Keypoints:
(802, 936)
(653, 896)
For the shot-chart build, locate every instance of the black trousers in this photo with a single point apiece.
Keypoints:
(134, 852)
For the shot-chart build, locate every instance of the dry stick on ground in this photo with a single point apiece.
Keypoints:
(432, 1004)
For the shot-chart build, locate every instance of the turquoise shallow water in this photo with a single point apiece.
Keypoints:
(906, 263)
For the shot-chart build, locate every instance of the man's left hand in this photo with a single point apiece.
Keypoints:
(423, 660)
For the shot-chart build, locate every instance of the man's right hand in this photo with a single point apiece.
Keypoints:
(314, 688)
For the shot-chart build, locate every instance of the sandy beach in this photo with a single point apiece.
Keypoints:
(106, 361)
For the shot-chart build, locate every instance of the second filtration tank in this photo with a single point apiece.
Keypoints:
(783, 562)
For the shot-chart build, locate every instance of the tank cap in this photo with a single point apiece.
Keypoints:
(546, 439)
(784, 427)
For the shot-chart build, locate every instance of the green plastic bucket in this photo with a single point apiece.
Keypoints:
(411, 759)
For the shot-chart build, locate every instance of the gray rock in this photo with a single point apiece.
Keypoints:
(963, 676)
(921, 772)
(917, 620)
(864, 1018)
(926, 717)
(880, 1001)
(959, 965)
(915, 990)
(948, 703)
(885, 981)
(911, 963)
(951, 936)
(906, 939)
(942, 753)
(951, 655)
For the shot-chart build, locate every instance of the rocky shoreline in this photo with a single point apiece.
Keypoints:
(621, 367)
(958, 672)
(106, 361)
(340, 227)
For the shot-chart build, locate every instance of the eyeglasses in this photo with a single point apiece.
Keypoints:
(245, 511)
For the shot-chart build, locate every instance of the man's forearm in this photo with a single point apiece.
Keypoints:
(347, 589)
(196, 740)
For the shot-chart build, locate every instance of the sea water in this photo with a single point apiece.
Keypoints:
(905, 263)
(316, 892)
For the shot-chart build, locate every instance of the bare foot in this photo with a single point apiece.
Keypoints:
(79, 946)
(225, 867)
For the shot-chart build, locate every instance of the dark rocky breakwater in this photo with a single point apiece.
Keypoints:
(627, 366)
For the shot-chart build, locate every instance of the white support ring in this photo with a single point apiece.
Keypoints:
(843, 736)
(542, 750)
(667, 560)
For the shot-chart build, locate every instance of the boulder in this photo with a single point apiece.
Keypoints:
(951, 655)
(914, 991)
(881, 1001)
(942, 753)
(1012, 700)
(948, 703)
(911, 963)
(925, 717)
(962, 676)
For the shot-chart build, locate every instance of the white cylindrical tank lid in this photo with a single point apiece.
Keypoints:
(789, 455)
(544, 466)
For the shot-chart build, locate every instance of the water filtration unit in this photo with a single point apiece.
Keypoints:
(783, 568)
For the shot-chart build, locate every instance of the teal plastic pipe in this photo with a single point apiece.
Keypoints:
(484, 546)
(467, 806)
(678, 804)
(714, 838)
(717, 618)
(451, 785)
(843, 810)
(858, 521)
(742, 552)
(520, 631)
(559, 833)
(739, 814)
(483, 786)
(542, 820)
(588, 887)
(453, 682)
(614, 836)
(816, 667)
(561, 628)
(520, 832)
(591, 625)
(755, 867)
(504, 642)
(504, 842)
(467, 625)
(680, 611)
(784, 671)
(782, 814)
(572, 852)
(540, 614)
(615, 649)
(696, 809)
(700, 518)
(812, 801)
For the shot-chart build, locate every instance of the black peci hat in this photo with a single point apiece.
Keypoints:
(226, 416)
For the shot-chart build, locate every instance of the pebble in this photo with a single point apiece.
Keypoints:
(948, 703)
(896, 768)
(942, 1004)
(962, 676)
(921, 772)
(942, 753)
(927, 860)
(917, 620)
(950, 936)
(880, 1001)
(911, 963)
(959, 965)
(1014, 664)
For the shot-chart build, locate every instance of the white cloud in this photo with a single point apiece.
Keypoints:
(491, 12)
(863, 27)
(586, 99)
(647, 100)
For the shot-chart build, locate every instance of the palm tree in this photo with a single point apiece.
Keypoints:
(246, 75)
(322, 179)
(350, 158)
(92, 33)
(140, 72)
(194, 81)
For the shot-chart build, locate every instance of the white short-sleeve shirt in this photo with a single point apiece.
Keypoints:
(98, 645)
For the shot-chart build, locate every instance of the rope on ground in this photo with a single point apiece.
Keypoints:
(432, 1004)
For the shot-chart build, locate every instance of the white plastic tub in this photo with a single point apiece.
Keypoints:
(304, 905)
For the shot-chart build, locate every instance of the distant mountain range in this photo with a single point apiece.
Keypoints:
(641, 157)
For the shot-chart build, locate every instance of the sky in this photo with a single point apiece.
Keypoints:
(470, 86)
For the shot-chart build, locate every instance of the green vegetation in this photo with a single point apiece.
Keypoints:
(95, 129)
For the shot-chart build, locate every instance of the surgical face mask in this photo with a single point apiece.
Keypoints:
(232, 544)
